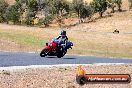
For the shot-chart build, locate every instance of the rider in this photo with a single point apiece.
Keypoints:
(62, 38)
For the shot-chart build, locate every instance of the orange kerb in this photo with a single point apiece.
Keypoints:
(80, 70)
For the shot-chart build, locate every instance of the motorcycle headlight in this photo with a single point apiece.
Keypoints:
(71, 44)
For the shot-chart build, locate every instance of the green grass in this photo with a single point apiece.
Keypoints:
(81, 46)
(23, 39)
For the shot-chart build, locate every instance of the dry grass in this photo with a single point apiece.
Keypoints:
(94, 38)
(91, 38)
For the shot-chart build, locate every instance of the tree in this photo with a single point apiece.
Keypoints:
(130, 4)
(99, 6)
(32, 5)
(13, 14)
(82, 9)
(30, 17)
(45, 7)
(111, 4)
(118, 3)
(58, 9)
(86, 11)
(3, 7)
(32, 8)
(43, 4)
(47, 20)
(78, 6)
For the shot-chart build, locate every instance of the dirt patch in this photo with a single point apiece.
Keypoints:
(60, 77)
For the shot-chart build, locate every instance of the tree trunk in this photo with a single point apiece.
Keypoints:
(113, 10)
(101, 14)
(78, 13)
(119, 8)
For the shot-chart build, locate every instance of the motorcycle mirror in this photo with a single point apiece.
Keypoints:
(46, 44)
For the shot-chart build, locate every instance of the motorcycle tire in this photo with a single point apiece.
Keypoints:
(59, 56)
(61, 53)
(43, 53)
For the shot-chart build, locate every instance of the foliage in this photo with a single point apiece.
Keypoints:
(32, 5)
(130, 4)
(3, 7)
(118, 3)
(99, 6)
(111, 4)
(26, 10)
(59, 7)
(32, 8)
(12, 13)
(30, 17)
(78, 6)
(86, 11)
(47, 20)
(82, 9)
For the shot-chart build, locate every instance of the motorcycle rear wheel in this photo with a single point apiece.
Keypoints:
(61, 53)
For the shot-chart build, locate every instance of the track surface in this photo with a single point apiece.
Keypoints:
(24, 59)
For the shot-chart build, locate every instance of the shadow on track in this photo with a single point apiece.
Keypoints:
(69, 58)
(60, 58)
(50, 57)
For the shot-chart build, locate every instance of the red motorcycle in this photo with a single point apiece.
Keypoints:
(54, 49)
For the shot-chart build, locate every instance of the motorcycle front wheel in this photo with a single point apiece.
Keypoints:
(43, 53)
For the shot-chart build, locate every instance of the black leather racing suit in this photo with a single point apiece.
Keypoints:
(62, 40)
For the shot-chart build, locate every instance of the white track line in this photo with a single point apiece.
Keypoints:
(53, 66)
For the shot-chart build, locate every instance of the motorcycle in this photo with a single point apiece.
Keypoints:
(54, 48)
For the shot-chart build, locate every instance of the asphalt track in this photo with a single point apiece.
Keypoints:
(25, 59)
